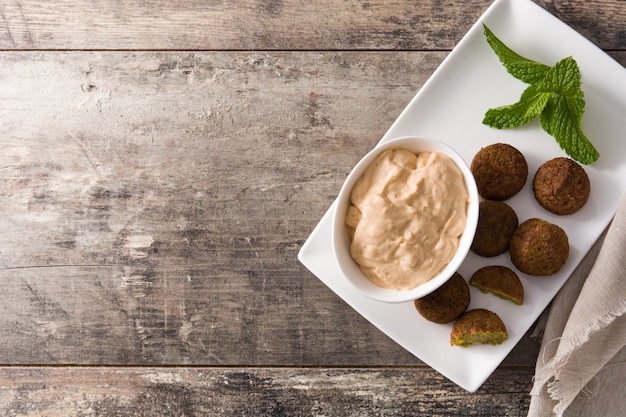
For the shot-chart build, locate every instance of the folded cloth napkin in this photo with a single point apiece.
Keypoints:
(581, 368)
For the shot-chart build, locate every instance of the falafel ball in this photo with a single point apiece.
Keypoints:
(447, 302)
(539, 247)
(500, 171)
(478, 326)
(496, 223)
(501, 281)
(561, 186)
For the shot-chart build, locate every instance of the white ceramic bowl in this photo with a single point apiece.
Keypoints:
(341, 239)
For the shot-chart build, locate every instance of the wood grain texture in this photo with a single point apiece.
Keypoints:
(29, 392)
(274, 24)
(235, 25)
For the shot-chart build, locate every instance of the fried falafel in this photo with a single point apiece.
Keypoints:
(561, 186)
(447, 302)
(499, 280)
(478, 326)
(496, 223)
(539, 247)
(500, 171)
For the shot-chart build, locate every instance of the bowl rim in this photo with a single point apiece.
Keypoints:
(341, 241)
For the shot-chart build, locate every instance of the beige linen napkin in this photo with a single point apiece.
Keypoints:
(581, 368)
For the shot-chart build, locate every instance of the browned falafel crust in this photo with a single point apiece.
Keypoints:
(501, 281)
(496, 223)
(561, 186)
(500, 171)
(478, 326)
(539, 247)
(447, 302)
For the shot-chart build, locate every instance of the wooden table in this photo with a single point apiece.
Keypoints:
(162, 163)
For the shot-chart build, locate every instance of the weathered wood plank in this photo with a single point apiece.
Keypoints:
(274, 24)
(256, 392)
(189, 315)
(156, 202)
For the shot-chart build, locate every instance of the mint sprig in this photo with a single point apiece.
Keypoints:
(554, 94)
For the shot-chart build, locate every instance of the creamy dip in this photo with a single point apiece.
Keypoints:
(407, 215)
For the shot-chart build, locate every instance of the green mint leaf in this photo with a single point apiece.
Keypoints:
(563, 79)
(562, 118)
(521, 68)
(563, 114)
(554, 94)
(530, 105)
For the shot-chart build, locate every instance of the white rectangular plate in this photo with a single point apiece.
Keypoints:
(450, 107)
